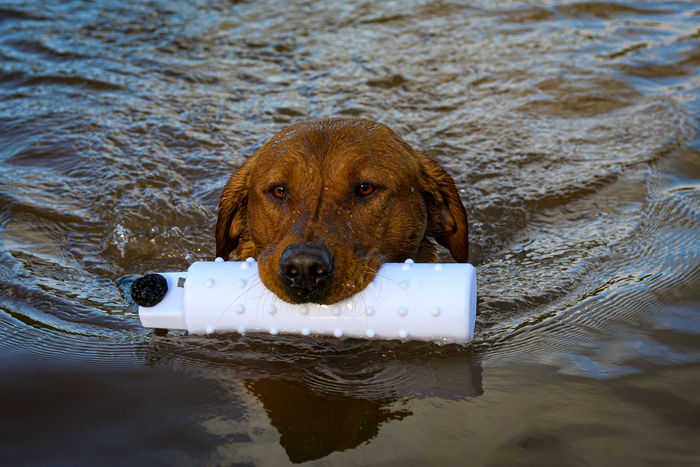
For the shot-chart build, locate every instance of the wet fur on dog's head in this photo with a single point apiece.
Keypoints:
(350, 189)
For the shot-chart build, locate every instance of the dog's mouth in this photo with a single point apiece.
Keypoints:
(300, 296)
(310, 273)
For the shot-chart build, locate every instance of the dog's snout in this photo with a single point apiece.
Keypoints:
(305, 268)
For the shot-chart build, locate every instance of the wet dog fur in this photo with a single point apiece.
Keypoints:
(324, 203)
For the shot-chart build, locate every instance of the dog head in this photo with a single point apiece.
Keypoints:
(324, 203)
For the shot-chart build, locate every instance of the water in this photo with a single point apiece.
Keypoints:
(571, 129)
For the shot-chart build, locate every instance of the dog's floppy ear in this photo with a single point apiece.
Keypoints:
(232, 224)
(447, 220)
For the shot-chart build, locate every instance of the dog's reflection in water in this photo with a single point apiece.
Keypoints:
(314, 422)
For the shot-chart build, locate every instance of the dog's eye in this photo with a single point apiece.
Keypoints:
(279, 191)
(365, 189)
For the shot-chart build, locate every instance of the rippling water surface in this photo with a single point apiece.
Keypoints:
(571, 129)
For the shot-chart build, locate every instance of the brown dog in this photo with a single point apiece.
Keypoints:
(324, 203)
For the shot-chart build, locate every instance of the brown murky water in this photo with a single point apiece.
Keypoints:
(570, 127)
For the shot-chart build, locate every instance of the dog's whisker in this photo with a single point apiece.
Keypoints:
(249, 286)
(393, 281)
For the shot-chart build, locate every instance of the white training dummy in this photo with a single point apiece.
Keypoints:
(407, 301)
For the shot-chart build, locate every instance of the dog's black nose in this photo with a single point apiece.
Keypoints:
(305, 268)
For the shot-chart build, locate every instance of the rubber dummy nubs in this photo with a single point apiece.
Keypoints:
(422, 301)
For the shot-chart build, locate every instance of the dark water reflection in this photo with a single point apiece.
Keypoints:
(327, 395)
(570, 127)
